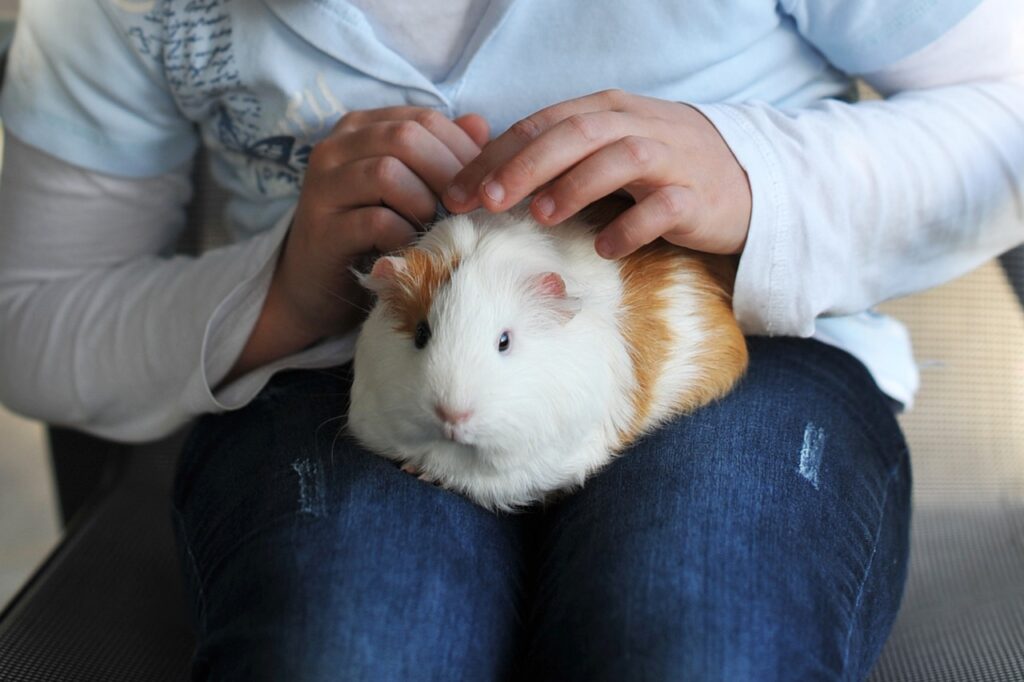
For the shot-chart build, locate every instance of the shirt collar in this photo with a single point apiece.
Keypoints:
(341, 31)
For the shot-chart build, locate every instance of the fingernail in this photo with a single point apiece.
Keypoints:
(457, 193)
(545, 206)
(605, 247)
(495, 191)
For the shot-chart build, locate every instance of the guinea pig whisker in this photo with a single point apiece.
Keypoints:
(328, 421)
(343, 372)
(334, 441)
(341, 298)
(420, 225)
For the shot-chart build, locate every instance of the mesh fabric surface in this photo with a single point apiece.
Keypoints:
(110, 606)
(962, 618)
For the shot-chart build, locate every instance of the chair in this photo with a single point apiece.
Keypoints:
(108, 604)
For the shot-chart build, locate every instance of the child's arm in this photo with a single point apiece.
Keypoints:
(369, 184)
(851, 204)
(861, 203)
(97, 330)
(99, 327)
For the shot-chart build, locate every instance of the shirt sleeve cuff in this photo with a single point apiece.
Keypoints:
(233, 320)
(765, 270)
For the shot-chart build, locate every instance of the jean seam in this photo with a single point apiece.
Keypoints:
(871, 564)
(224, 555)
(200, 591)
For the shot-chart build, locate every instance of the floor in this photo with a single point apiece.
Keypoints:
(28, 518)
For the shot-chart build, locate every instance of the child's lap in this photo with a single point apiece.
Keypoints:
(764, 537)
(291, 527)
(302, 550)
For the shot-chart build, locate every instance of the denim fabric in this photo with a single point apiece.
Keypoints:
(762, 538)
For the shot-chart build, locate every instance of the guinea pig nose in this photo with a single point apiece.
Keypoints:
(450, 416)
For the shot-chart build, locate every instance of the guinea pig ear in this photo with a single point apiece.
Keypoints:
(384, 273)
(551, 288)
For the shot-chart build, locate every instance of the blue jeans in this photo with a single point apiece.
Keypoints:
(762, 538)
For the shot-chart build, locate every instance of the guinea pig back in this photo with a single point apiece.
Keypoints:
(506, 361)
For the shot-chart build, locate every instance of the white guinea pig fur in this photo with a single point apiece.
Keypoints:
(506, 360)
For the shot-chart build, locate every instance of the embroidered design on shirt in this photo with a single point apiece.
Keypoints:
(312, 112)
(191, 44)
(274, 158)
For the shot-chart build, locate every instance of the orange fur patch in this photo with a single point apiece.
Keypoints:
(647, 275)
(415, 286)
(724, 353)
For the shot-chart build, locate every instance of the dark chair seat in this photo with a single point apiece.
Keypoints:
(108, 604)
(962, 617)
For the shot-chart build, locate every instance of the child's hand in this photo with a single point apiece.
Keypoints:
(369, 184)
(688, 186)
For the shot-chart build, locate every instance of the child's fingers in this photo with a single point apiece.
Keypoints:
(668, 208)
(377, 181)
(629, 160)
(552, 153)
(374, 228)
(463, 193)
(476, 127)
(454, 137)
(407, 141)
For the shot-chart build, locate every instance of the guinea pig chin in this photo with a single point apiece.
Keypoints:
(456, 433)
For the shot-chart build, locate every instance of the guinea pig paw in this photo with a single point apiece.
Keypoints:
(413, 471)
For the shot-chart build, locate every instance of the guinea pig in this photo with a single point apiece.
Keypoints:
(506, 360)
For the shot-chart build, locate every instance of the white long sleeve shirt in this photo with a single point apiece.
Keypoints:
(853, 203)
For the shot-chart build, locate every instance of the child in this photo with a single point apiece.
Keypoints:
(762, 538)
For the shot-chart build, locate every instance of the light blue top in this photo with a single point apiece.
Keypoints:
(123, 86)
(265, 79)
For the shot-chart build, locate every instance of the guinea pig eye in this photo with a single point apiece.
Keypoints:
(503, 342)
(422, 334)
